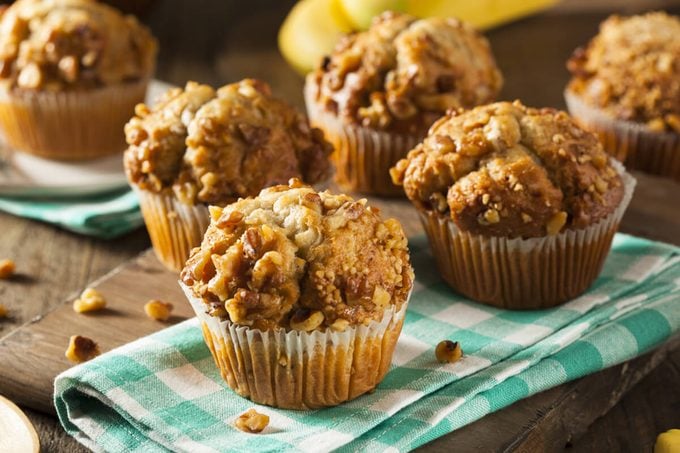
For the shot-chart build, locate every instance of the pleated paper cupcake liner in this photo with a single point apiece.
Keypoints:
(523, 273)
(656, 153)
(362, 156)
(174, 227)
(300, 370)
(69, 125)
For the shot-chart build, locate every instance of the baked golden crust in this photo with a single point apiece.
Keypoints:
(508, 170)
(72, 44)
(216, 146)
(403, 73)
(295, 258)
(631, 70)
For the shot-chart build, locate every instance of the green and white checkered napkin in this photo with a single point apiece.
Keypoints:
(164, 392)
(104, 216)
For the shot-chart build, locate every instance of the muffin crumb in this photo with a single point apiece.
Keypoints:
(252, 421)
(90, 300)
(158, 310)
(81, 349)
(7, 268)
(448, 351)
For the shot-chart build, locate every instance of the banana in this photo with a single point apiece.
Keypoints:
(314, 26)
(310, 31)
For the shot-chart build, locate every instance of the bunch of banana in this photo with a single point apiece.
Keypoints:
(314, 26)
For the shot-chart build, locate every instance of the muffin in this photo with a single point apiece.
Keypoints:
(626, 88)
(198, 146)
(71, 73)
(301, 295)
(378, 93)
(519, 204)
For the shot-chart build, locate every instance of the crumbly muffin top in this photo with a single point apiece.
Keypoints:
(302, 260)
(72, 44)
(631, 70)
(508, 170)
(404, 73)
(214, 146)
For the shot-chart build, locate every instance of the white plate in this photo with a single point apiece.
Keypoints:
(25, 175)
(17, 434)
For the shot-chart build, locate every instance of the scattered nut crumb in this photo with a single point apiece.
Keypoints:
(252, 421)
(158, 310)
(7, 268)
(3, 311)
(448, 351)
(306, 320)
(81, 349)
(90, 300)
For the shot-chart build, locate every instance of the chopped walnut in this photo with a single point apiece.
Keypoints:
(7, 268)
(3, 311)
(81, 349)
(448, 351)
(252, 421)
(158, 310)
(90, 300)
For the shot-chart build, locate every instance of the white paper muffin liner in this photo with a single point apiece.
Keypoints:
(362, 156)
(522, 273)
(300, 370)
(174, 227)
(69, 125)
(656, 153)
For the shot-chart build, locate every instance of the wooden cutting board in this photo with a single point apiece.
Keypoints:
(32, 355)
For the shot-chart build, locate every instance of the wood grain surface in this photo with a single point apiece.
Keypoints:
(221, 41)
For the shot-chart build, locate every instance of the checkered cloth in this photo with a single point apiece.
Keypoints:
(164, 391)
(104, 216)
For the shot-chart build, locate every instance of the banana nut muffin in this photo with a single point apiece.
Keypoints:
(631, 70)
(508, 170)
(213, 146)
(72, 44)
(301, 260)
(403, 73)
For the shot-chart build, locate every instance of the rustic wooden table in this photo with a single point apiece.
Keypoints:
(620, 409)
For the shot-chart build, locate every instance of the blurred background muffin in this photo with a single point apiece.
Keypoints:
(380, 90)
(625, 86)
(520, 204)
(309, 287)
(71, 72)
(198, 146)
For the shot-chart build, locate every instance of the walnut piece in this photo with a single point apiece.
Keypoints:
(7, 268)
(252, 421)
(158, 310)
(448, 351)
(90, 300)
(81, 349)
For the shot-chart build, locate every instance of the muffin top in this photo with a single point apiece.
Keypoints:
(508, 170)
(403, 73)
(631, 70)
(72, 44)
(302, 260)
(214, 146)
